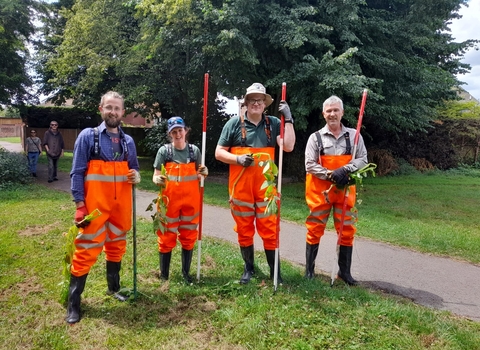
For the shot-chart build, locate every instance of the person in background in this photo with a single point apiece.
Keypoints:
(33, 147)
(104, 169)
(329, 160)
(53, 145)
(249, 133)
(182, 190)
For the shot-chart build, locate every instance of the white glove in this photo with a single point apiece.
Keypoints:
(159, 180)
(203, 170)
(133, 176)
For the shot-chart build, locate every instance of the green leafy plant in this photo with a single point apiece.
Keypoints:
(161, 204)
(270, 172)
(69, 248)
(355, 178)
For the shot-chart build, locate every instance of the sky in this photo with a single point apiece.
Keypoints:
(468, 27)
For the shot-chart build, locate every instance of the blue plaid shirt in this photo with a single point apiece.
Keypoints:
(83, 151)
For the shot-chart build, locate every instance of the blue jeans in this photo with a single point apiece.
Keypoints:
(32, 161)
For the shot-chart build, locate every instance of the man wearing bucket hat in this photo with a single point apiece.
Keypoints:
(182, 196)
(253, 133)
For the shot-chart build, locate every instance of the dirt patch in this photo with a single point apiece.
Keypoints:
(36, 230)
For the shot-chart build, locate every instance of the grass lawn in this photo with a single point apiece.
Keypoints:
(216, 313)
(433, 213)
(11, 139)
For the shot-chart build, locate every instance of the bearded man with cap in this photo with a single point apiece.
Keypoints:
(182, 192)
(253, 132)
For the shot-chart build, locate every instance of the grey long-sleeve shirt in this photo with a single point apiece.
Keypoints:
(333, 146)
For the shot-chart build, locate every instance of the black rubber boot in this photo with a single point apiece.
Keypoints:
(186, 262)
(248, 255)
(113, 280)
(310, 256)
(77, 284)
(165, 265)
(344, 263)
(271, 262)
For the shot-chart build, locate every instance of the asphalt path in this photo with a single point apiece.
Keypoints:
(435, 282)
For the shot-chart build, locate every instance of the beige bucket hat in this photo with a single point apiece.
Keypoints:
(257, 88)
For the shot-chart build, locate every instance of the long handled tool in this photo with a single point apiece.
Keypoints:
(204, 141)
(346, 191)
(134, 223)
(279, 191)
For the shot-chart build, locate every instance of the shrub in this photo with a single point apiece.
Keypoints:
(155, 138)
(421, 164)
(404, 168)
(386, 164)
(13, 169)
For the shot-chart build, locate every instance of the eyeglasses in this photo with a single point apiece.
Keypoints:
(252, 101)
(33, 132)
(111, 108)
(53, 124)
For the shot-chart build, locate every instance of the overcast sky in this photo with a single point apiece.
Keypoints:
(468, 27)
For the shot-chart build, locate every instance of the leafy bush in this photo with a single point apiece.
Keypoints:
(404, 168)
(155, 137)
(472, 170)
(13, 169)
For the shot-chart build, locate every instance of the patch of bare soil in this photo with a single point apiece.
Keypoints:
(36, 230)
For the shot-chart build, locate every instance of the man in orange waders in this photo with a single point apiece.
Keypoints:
(253, 133)
(329, 160)
(182, 196)
(104, 168)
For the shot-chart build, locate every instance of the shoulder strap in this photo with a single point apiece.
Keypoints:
(244, 130)
(95, 152)
(319, 143)
(191, 154)
(268, 130)
(169, 148)
(348, 149)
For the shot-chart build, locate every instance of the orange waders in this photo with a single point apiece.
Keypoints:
(183, 210)
(320, 208)
(107, 189)
(247, 200)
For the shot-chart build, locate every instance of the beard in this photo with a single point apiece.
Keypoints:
(113, 122)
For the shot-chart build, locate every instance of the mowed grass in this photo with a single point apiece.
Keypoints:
(216, 313)
(435, 213)
(11, 139)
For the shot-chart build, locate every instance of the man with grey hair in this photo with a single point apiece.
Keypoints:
(328, 161)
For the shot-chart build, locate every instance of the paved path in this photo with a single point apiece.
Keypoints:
(435, 282)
